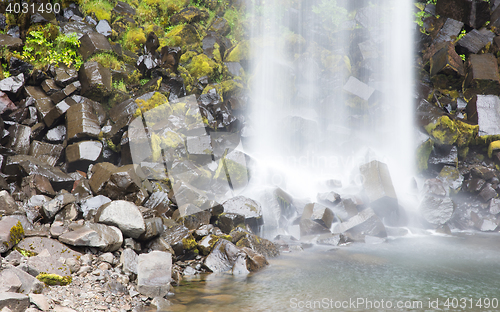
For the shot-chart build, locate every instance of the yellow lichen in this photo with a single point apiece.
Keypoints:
(54, 279)
(495, 145)
(16, 234)
(444, 131)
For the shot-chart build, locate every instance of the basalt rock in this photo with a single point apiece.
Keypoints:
(20, 137)
(64, 75)
(106, 238)
(473, 42)
(318, 213)
(46, 152)
(6, 105)
(43, 103)
(12, 85)
(482, 75)
(80, 155)
(95, 80)
(11, 233)
(82, 122)
(377, 184)
(448, 31)
(364, 223)
(124, 215)
(154, 273)
(246, 207)
(10, 42)
(484, 110)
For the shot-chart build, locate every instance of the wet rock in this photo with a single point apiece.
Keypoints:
(364, 223)
(494, 206)
(103, 28)
(13, 84)
(123, 9)
(345, 209)
(14, 302)
(244, 239)
(43, 103)
(329, 198)
(436, 210)
(280, 207)
(184, 193)
(16, 67)
(20, 136)
(446, 61)
(124, 215)
(95, 80)
(228, 221)
(358, 88)
(484, 224)
(154, 227)
(378, 187)
(199, 146)
(482, 75)
(49, 86)
(309, 227)
(189, 15)
(98, 109)
(193, 217)
(81, 154)
(452, 178)
(472, 42)
(318, 213)
(146, 63)
(223, 256)
(10, 42)
(82, 122)
(332, 239)
(6, 105)
(159, 202)
(46, 152)
(487, 193)
(236, 170)
(107, 238)
(248, 208)
(458, 10)
(485, 111)
(444, 155)
(173, 234)
(220, 26)
(234, 68)
(94, 42)
(11, 233)
(449, 31)
(64, 75)
(57, 134)
(154, 271)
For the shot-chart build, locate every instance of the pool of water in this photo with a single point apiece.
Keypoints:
(425, 273)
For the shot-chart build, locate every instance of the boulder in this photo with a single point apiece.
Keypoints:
(193, 217)
(29, 284)
(19, 139)
(450, 30)
(472, 42)
(107, 238)
(54, 247)
(64, 75)
(436, 210)
(124, 215)
(94, 42)
(364, 223)
(46, 152)
(129, 260)
(223, 256)
(95, 80)
(484, 110)
(446, 61)
(89, 206)
(13, 84)
(482, 75)
(14, 302)
(82, 122)
(378, 187)
(6, 105)
(10, 42)
(358, 88)
(9, 282)
(81, 154)
(244, 239)
(228, 221)
(11, 233)
(8, 205)
(154, 271)
(319, 213)
(246, 207)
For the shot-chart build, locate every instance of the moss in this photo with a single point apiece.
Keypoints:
(239, 52)
(225, 87)
(155, 101)
(101, 8)
(134, 39)
(107, 60)
(16, 234)
(189, 243)
(423, 153)
(463, 152)
(54, 279)
(467, 133)
(26, 253)
(495, 145)
(444, 131)
(185, 36)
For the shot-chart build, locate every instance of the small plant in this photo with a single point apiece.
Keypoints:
(6, 73)
(120, 85)
(143, 81)
(42, 51)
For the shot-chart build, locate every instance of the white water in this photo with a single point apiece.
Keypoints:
(304, 130)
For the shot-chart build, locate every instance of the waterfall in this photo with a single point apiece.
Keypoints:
(331, 89)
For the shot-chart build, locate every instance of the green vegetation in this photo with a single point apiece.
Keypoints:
(101, 8)
(120, 85)
(108, 60)
(54, 279)
(40, 50)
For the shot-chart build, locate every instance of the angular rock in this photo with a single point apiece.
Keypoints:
(10, 42)
(103, 28)
(124, 215)
(14, 301)
(189, 15)
(107, 238)
(309, 227)
(345, 209)
(46, 263)
(56, 113)
(82, 122)
(223, 256)
(17, 66)
(154, 227)
(246, 207)
(30, 165)
(8, 205)
(46, 152)
(174, 234)
(64, 75)
(129, 260)
(56, 135)
(188, 194)
(228, 221)
(9, 282)
(49, 86)
(358, 88)
(95, 80)
(472, 42)
(378, 187)
(487, 193)
(242, 238)
(54, 247)
(445, 60)
(6, 105)
(364, 223)
(154, 271)
(482, 75)
(92, 43)
(193, 217)
(82, 154)
(40, 301)
(19, 139)
(11, 233)
(29, 284)
(13, 84)
(449, 31)
(485, 111)
(494, 206)
(436, 210)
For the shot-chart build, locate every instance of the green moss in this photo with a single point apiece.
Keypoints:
(134, 39)
(107, 60)
(16, 234)
(189, 243)
(495, 145)
(101, 8)
(54, 279)
(444, 131)
(26, 253)
(240, 52)
(185, 36)
(155, 101)
(467, 133)
(225, 87)
(423, 153)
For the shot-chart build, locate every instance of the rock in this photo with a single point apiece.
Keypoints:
(19, 140)
(107, 238)
(56, 113)
(13, 84)
(11, 233)
(129, 260)
(332, 239)
(188, 194)
(154, 227)
(309, 227)
(319, 213)
(94, 42)
(494, 206)
(90, 205)
(14, 301)
(47, 264)
(9, 282)
(189, 15)
(452, 178)
(50, 87)
(472, 42)
(82, 122)
(29, 284)
(193, 217)
(124, 215)
(123, 9)
(95, 80)
(345, 209)
(482, 75)
(56, 135)
(73, 264)
(46, 152)
(246, 207)
(228, 221)
(174, 234)
(223, 256)
(64, 75)
(81, 154)
(364, 223)
(449, 31)
(103, 28)
(221, 27)
(6, 105)
(154, 271)
(40, 301)
(54, 247)
(436, 210)
(378, 187)
(443, 155)
(10, 42)
(446, 61)
(8, 205)
(487, 193)
(358, 88)
(280, 207)
(244, 239)
(16, 66)
(485, 111)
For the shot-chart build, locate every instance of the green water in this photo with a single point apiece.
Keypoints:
(417, 272)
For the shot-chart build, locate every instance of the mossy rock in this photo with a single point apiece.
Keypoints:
(493, 147)
(189, 15)
(444, 131)
(225, 88)
(240, 52)
(197, 65)
(54, 279)
(423, 153)
(185, 36)
(134, 39)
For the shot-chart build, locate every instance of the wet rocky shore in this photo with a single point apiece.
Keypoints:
(121, 170)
